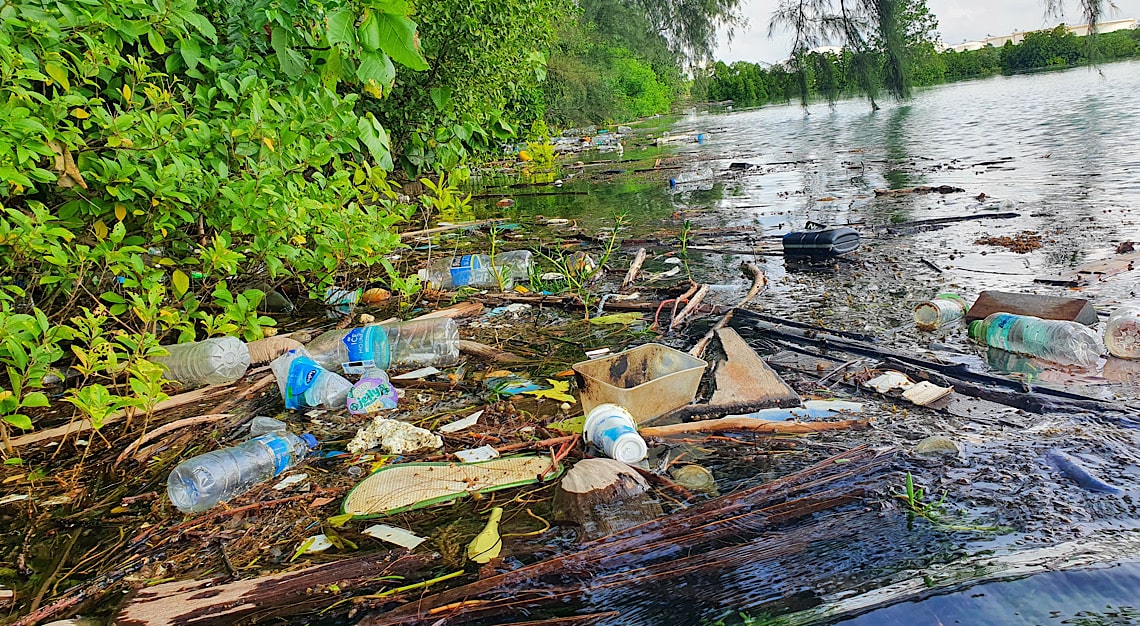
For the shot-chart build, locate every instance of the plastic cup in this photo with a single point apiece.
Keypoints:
(612, 429)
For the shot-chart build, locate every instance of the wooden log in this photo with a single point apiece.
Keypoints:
(490, 353)
(165, 428)
(634, 268)
(943, 189)
(210, 602)
(455, 311)
(752, 425)
(444, 229)
(265, 350)
(604, 496)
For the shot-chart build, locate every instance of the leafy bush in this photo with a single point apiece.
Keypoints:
(151, 152)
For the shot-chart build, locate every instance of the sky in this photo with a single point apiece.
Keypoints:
(958, 21)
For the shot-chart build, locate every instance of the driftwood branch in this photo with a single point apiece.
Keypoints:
(750, 424)
(634, 268)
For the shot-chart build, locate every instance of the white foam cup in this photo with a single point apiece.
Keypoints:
(612, 428)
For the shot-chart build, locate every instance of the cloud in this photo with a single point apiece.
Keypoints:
(959, 20)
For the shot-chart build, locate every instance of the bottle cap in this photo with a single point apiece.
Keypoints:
(309, 440)
(975, 330)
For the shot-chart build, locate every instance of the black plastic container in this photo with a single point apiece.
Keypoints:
(829, 242)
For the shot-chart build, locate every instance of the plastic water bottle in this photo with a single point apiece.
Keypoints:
(304, 383)
(943, 309)
(215, 361)
(398, 345)
(200, 483)
(1066, 343)
(476, 270)
(1122, 333)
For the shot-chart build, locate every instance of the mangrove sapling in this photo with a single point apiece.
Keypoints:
(577, 271)
(915, 499)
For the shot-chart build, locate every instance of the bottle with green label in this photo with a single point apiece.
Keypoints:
(1065, 343)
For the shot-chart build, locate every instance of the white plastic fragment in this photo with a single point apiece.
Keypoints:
(889, 380)
(474, 455)
(315, 544)
(290, 480)
(460, 424)
(394, 436)
(423, 372)
(391, 534)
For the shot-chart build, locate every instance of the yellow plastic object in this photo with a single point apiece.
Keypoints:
(407, 486)
(525, 156)
(487, 544)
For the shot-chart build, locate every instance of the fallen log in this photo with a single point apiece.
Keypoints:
(276, 596)
(752, 425)
(943, 189)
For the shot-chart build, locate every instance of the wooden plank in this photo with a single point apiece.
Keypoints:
(744, 378)
(203, 602)
(1045, 307)
(1092, 272)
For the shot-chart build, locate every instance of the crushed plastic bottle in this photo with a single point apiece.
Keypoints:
(416, 343)
(943, 309)
(202, 482)
(476, 270)
(215, 361)
(1122, 332)
(304, 383)
(1066, 343)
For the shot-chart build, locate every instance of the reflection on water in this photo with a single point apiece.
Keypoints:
(1059, 149)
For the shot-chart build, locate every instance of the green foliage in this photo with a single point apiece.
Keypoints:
(610, 64)
(487, 60)
(915, 499)
(150, 152)
(829, 76)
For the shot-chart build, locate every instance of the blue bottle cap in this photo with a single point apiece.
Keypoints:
(309, 440)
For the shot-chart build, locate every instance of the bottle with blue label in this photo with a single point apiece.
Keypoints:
(304, 383)
(1062, 342)
(200, 483)
(479, 271)
(395, 345)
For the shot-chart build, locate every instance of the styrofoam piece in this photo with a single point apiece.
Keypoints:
(398, 536)
(474, 455)
(462, 423)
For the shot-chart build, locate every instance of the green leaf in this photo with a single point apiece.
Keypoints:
(376, 67)
(341, 24)
(190, 52)
(397, 36)
(58, 74)
(156, 41)
(203, 26)
(375, 138)
(440, 97)
(617, 318)
(23, 422)
(369, 32)
(181, 282)
(14, 461)
(35, 399)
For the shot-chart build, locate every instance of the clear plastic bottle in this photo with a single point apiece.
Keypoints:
(1122, 332)
(416, 343)
(304, 383)
(476, 270)
(200, 483)
(1066, 343)
(943, 309)
(215, 361)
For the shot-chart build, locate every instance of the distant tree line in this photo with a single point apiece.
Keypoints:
(828, 76)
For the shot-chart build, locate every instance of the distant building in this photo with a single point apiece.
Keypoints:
(1018, 37)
